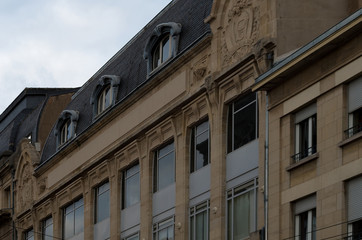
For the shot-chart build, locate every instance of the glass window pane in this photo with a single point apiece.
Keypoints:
(103, 206)
(245, 126)
(156, 57)
(107, 97)
(78, 220)
(132, 190)
(170, 233)
(201, 226)
(242, 102)
(132, 170)
(165, 150)
(241, 216)
(68, 225)
(202, 150)
(166, 173)
(166, 49)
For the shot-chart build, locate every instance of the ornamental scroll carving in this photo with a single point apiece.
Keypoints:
(25, 189)
(240, 32)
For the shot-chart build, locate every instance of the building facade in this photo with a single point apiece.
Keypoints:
(169, 139)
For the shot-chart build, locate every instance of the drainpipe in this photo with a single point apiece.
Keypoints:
(266, 167)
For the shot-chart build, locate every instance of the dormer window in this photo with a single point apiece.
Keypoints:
(162, 51)
(105, 94)
(104, 99)
(162, 45)
(65, 132)
(66, 126)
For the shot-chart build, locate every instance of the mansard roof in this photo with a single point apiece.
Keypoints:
(129, 63)
(21, 117)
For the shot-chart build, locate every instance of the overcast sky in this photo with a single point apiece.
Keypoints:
(62, 43)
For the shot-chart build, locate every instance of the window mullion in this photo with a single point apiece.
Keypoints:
(310, 135)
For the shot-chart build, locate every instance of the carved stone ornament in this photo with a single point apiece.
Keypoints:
(200, 68)
(240, 32)
(25, 192)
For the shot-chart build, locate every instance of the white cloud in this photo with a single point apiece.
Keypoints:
(62, 43)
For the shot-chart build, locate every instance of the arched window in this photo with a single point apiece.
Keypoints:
(162, 45)
(65, 127)
(105, 94)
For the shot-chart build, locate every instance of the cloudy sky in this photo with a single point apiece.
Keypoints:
(62, 43)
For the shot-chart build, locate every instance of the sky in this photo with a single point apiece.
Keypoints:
(62, 43)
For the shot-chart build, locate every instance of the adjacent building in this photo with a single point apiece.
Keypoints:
(219, 120)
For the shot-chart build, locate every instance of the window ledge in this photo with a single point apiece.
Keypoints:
(303, 161)
(355, 137)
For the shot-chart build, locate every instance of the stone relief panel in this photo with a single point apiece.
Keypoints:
(241, 29)
(25, 188)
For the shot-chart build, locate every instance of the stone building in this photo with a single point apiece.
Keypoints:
(169, 139)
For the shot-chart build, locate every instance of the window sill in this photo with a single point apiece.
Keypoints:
(350, 139)
(303, 161)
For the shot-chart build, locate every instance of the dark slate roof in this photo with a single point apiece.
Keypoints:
(21, 117)
(130, 65)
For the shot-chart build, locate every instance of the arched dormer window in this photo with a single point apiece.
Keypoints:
(162, 45)
(105, 93)
(65, 127)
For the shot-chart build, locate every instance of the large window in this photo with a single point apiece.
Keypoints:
(242, 122)
(29, 235)
(164, 167)
(354, 208)
(47, 229)
(199, 146)
(73, 219)
(354, 107)
(102, 203)
(104, 99)
(164, 230)
(199, 221)
(305, 132)
(305, 218)
(131, 186)
(241, 210)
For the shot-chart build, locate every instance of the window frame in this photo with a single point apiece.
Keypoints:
(311, 225)
(194, 211)
(67, 123)
(159, 47)
(125, 179)
(102, 99)
(156, 170)
(235, 192)
(97, 195)
(232, 112)
(45, 226)
(161, 225)
(193, 146)
(309, 124)
(64, 214)
(29, 234)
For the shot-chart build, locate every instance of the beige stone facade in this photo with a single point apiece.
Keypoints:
(205, 84)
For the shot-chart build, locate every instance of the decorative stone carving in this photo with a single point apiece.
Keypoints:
(240, 32)
(200, 68)
(42, 185)
(25, 189)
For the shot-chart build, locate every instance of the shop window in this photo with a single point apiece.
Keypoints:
(73, 219)
(105, 94)
(164, 167)
(241, 210)
(242, 122)
(199, 149)
(66, 126)
(199, 221)
(354, 107)
(305, 133)
(131, 186)
(164, 230)
(102, 200)
(162, 45)
(47, 229)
